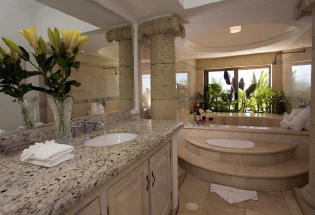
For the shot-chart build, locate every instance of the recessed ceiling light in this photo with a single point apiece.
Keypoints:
(82, 51)
(235, 29)
(187, 4)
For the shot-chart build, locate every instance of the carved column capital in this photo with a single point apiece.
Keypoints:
(163, 25)
(119, 33)
(303, 8)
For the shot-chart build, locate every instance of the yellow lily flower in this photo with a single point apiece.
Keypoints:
(82, 40)
(67, 37)
(31, 35)
(73, 39)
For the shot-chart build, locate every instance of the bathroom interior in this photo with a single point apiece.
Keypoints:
(145, 107)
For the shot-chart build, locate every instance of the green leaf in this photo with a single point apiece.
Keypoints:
(57, 36)
(61, 62)
(76, 65)
(250, 90)
(26, 55)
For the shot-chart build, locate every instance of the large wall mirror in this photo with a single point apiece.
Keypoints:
(105, 75)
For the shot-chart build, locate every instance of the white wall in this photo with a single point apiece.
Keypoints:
(50, 18)
(10, 22)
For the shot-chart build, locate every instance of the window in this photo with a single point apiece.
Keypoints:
(247, 74)
(217, 77)
(146, 91)
(301, 81)
(224, 78)
(182, 78)
(254, 75)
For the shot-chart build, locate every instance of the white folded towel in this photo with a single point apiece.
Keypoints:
(52, 162)
(233, 195)
(47, 154)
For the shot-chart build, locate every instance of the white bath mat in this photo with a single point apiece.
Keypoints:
(230, 143)
(233, 195)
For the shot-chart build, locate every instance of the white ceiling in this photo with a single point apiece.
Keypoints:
(268, 25)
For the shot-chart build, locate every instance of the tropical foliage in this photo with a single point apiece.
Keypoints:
(258, 97)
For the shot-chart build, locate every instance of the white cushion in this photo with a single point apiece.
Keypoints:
(300, 120)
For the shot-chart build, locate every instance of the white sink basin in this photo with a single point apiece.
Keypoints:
(110, 139)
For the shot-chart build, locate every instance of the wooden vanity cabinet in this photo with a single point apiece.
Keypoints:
(161, 182)
(143, 189)
(130, 195)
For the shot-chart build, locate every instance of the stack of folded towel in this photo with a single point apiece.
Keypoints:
(96, 109)
(47, 154)
(298, 119)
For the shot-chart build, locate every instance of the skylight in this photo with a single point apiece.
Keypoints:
(187, 4)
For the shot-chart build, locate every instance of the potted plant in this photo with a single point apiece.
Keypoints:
(13, 79)
(55, 62)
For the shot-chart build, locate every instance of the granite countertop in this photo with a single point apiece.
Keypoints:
(29, 189)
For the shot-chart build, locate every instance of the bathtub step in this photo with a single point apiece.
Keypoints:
(284, 176)
(263, 154)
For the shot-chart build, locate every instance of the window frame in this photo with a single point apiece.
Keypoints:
(235, 69)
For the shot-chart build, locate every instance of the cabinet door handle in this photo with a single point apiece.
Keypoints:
(148, 182)
(153, 182)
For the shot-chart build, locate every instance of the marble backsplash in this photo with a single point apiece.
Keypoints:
(14, 141)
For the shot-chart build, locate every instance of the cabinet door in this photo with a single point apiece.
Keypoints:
(130, 195)
(160, 173)
(93, 208)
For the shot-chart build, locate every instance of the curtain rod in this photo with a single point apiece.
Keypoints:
(287, 52)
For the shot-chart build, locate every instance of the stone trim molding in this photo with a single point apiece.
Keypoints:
(303, 8)
(164, 25)
(119, 33)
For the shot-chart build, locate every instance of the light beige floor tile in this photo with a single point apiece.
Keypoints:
(291, 202)
(269, 203)
(192, 190)
(254, 212)
(215, 205)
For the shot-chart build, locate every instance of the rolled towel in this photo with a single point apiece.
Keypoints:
(300, 120)
(308, 125)
(284, 123)
(293, 114)
(45, 151)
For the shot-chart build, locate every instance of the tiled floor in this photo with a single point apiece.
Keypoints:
(269, 203)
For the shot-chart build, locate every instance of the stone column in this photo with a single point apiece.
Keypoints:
(123, 35)
(162, 33)
(306, 195)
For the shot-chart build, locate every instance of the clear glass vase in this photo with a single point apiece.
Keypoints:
(26, 110)
(62, 110)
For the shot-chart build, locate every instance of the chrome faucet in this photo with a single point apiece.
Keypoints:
(102, 124)
(87, 129)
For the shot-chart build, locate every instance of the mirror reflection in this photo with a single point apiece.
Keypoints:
(96, 71)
